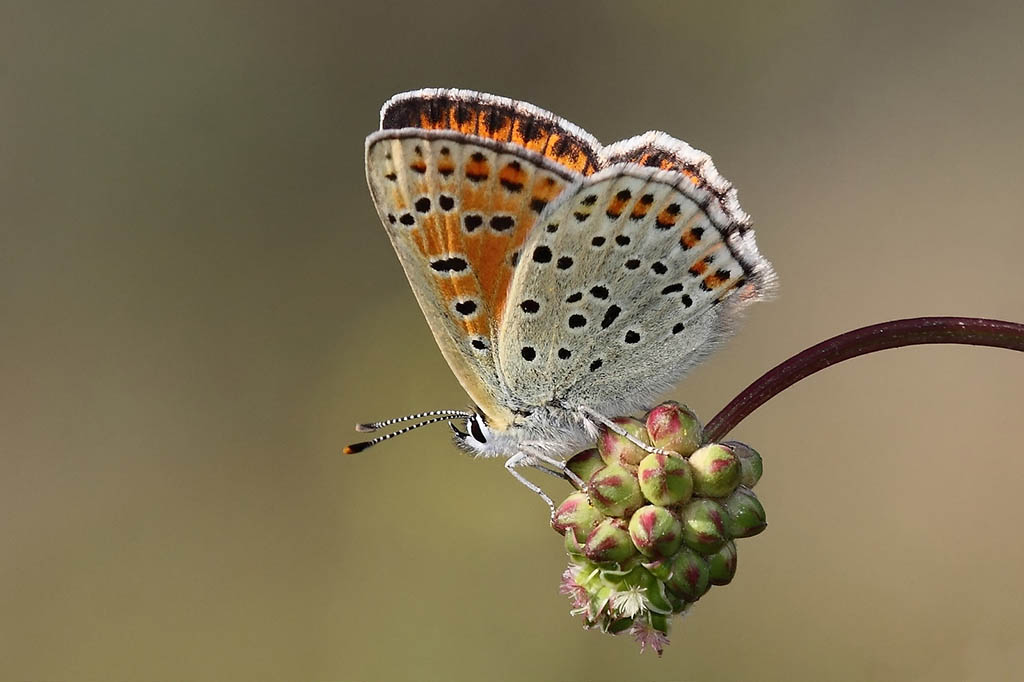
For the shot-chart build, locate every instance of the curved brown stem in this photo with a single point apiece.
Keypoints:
(910, 332)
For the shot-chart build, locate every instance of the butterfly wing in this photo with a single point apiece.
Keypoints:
(459, 180)
(631, 279)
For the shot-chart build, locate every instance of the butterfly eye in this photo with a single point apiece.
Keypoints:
(474, 428)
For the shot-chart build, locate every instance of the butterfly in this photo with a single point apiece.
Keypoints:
(563, 280)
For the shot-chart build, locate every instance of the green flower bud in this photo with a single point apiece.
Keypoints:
(615, 491)
(609, 542)
(665, 479)
(746, 516)
(704, 526)
(576, 514)
(619, 626)
(722, 564)
(716, 470)
(751, 466)
(678, 603)
(690, 578)
(616, 449)
(573, 547)
(656, 532)
(659, 622)
(675, 427)
(585, 463)
(660, 569)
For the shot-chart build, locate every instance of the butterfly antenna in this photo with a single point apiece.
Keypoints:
(452, 414)
(359, 447)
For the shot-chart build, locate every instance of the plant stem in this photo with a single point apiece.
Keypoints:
(910, 332)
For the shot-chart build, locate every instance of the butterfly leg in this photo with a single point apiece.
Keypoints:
(522, 458)
(612, 426)
(547, 469)
(560, 469)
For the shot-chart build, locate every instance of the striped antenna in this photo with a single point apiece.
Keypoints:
(452, 414)
(359, 447)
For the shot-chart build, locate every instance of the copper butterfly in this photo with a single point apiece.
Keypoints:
(563, 280)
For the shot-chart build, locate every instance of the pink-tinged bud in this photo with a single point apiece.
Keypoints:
(704, 526)
(674, 427)
(585, 463)
(614, 491)
(690, 578)
(616, 449)
(746, 516)
(609, 541)
(716, 470)
(665, 480)
(722, 564)
(656, 532)
(751, 466)
(576, 514)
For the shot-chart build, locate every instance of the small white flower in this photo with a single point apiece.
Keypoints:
(630, 602)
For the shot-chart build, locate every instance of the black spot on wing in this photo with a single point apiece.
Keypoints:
(454, 264)
(610, 315)
(500, 223)
(542, 254)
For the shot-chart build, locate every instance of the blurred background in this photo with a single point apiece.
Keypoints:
(197, 303)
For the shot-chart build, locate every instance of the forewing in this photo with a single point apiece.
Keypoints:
(459, 185)
(626, 284)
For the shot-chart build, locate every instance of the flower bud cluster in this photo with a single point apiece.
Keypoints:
(651, 533)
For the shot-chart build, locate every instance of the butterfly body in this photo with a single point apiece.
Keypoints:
(562, 279)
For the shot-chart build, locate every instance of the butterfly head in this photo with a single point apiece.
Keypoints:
(477, 438)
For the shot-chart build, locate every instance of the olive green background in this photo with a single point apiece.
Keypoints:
(197, 302)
